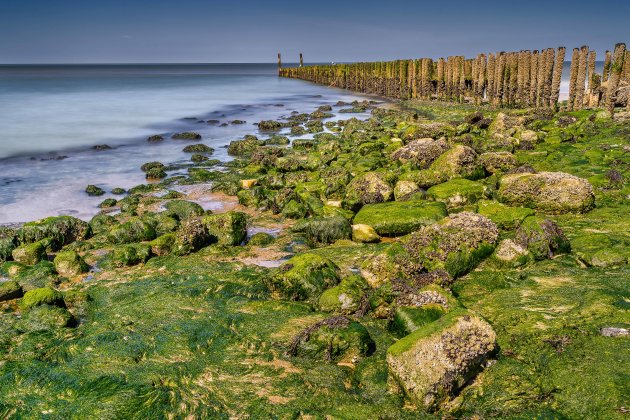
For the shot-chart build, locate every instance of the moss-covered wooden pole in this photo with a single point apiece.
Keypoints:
(279, 64)
(590, 78)
(557, 77)
(533, 78)
(575, 61)
(616, 69)
(440, 78)
(581, 78)
(490, 71)
(301, 60)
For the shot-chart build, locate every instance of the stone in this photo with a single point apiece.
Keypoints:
(399, 217)
(364, 233)
(70, 263)
(304, 277)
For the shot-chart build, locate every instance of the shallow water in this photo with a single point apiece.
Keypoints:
(51, 116)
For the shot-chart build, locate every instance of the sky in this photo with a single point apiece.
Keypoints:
(195, 31)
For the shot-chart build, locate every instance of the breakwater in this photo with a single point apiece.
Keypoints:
(513, 79)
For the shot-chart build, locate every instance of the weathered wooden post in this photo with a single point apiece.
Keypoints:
(615, 75)
(557, 77)
(301, 61)
(581, 78)
(491, 73)
(589, 101)
(279, 64)
(575, 59)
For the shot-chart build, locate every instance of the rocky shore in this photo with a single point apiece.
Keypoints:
(432, 260)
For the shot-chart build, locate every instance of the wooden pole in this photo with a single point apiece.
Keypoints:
(301, 61)
(615, 75)
(557, 77)
(575, 58)
(279, 64)
(581, 78)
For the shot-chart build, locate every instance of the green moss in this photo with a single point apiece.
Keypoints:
(304, 277)
(399, 218)
(41, 296)
(228, 228)
(324, 230)
(10, 290)
(61, 229)
(133, 230)
(345, 297)
(30, 254)
(503, 216)
(93, 190)
(44, 318)
(69, 263)
(162, 245)
(457, 192)
(261, 239)
(182, 209)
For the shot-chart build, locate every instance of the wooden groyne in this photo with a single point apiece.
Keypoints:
(511, 79)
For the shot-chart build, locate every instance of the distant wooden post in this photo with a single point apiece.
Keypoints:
(279, 64)
(615, 74)
(557, 76)
(301, 60)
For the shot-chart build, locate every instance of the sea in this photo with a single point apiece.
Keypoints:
(53, 117)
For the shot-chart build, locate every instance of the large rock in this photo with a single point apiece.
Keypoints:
(42, 296)
(400, 217)
(345, 297)
(458, 192)
(133, 230)
(10, 290)
(542, 237)
(434, 362)
(63, 230)
(421, 152)
(456, 244)
(304, 277)
(324, 230)
(190, 237)
(30, 254)
(69, 263)
(368, 188)
(552, 192)
(228, 228)
(458, 162)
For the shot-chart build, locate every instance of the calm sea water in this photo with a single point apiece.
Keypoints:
(50, 112)
(51, 116)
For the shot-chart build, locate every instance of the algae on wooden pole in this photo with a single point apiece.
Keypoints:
(615, 75)
(592, 56)
(490, 76)
(533, 78)
(607, 61)
(575, 61)
(301, 61)
(557, 77)
(581, 78)
(279, 63)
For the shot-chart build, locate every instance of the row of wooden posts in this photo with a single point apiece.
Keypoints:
(513, 79)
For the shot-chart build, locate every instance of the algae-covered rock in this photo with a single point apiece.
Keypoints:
(509, 254)
(368, 188)
(505, 217)
(191, 236)
(601, 249)
(108, 202)
(364, 233)
(294, 210)
(162, 245)
(187, 135)
(10, 290)
(101, 223)
(30, 254)
(62, 229)
(458, 192)
(42, 296)
(400, 218)
(494, 162)
(422, 152)
(128, 255)
(415, 307)
(197, 148)
(304, 277)
(228, 228)
(552, 192)
(456, 244)
(7, 245)
(345, 297)
(44, 318)
(182, 209)
(324, 230)
(151, 165)
(133, 230)
(69, 263)
(404, 190)
(333, 339)
(436, 361)
(392, 263)
(459, 161)
(93, 190)
(261, 239)
(542, 237)
(243, 147)
(155, 173)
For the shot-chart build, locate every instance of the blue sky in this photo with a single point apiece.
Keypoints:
(71, 31)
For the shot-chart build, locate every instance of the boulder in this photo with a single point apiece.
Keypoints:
(368, 188)
(243, 147)
(434, 362)
(324, 230)
(344, 298)
(542, 237)
(421, 152)
(133, 230)
(10, 290)
(458, 162)
(191, 236)
(162, 245)
(63, 230)
(182, 209)
(304, 277)
(30, 254)
(228, 228)
(551, 192)
(336, 339)
(364, 234)
(458, 192)
(509, 254)
(69, 263)
(42, 296)
(93, 190)
(261, 239)
(505, 217)
(198, 148)
(456, 244)
(45, 317)
(188, 135)
(494, 162)
(400, 217)
(7, 245)
(404, 190)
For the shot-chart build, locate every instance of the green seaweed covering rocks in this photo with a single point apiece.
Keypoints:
(431, 260)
